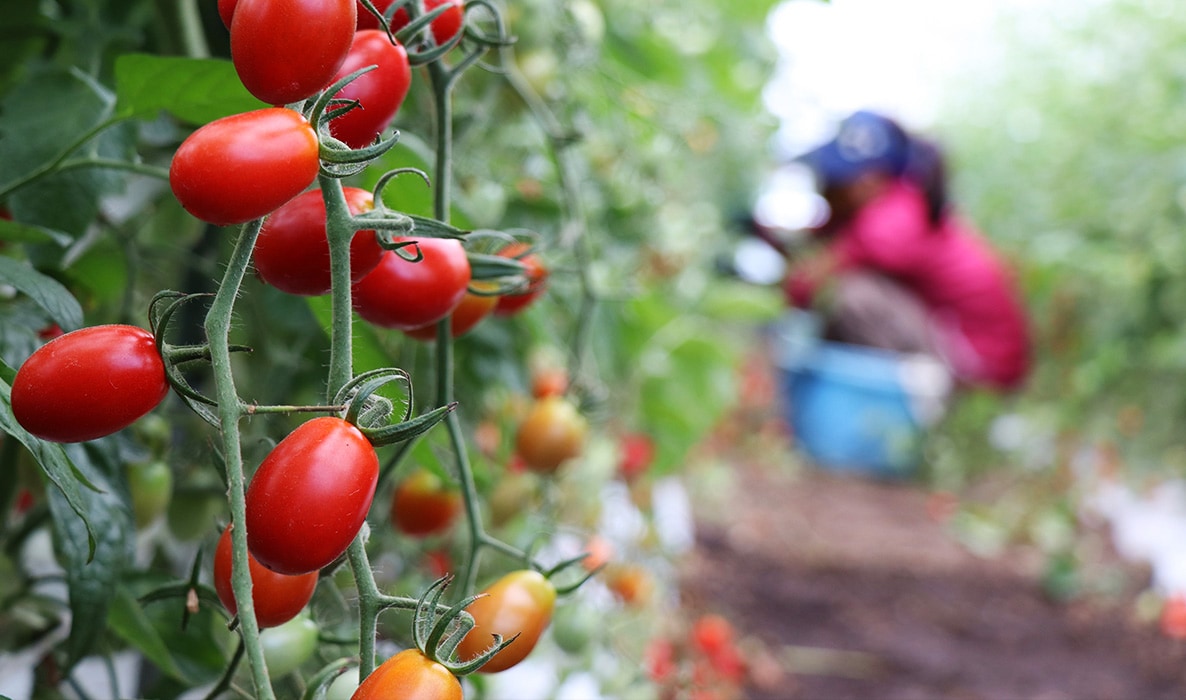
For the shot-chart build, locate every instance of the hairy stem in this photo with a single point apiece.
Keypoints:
(230, 410)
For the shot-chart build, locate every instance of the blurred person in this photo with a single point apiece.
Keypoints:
(897, 268)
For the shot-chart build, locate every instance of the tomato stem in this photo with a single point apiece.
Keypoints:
(230, 410)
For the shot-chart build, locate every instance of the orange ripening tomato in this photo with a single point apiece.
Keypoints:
(520, 603)
(469, 313)
(409, 675)
(549, 381)
(552, 432)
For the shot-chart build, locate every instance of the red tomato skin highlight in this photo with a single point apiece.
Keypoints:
(288, 50)
(244, 166)
(89, 383)
(310, 496)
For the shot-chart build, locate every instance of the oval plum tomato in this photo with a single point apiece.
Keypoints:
(244, 166)
(89, 383)
(277, 597)
(287, 51)
(519, 603)
(444, 27)
(409, 675)
(402, 294)
(310, 496)
(537, 280)
(292, 253)
(472, 309)
(551, 433)
(423, 504)
(379, 92)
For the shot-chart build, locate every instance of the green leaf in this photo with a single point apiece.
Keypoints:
(92, 571)
(57, 467)
(44, 118)
(14, 232)
(49, 294)
(130, 621)
(195, 90)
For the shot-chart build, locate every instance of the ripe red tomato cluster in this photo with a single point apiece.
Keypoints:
(708, 663)
(245, 166)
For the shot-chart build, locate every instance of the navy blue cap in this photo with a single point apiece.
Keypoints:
(866, 141)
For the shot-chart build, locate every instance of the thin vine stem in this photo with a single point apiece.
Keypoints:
(230, 411)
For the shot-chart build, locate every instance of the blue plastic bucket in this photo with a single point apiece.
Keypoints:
(849, 407)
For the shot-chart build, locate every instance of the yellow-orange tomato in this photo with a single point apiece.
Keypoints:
(409, 675)
(631, 583)
(520, 603)
(553, 431)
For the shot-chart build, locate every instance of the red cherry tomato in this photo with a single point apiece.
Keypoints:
(366, 20)
(519, 603)
(287, 51)
(444, 27)
(424, 505)
(404, 295)
(472, 309)
(226, 11)
(712, 633)
(310, 496)
(551, 433)
(638, 451)
(409, 675)
(537, 280)
(89, 383)
(379, 92)
(292, 253)
(244, 166)
(277, 598)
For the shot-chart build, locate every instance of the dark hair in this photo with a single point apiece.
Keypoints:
(927, 168)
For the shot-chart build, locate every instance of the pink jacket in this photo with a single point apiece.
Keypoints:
(975, 307)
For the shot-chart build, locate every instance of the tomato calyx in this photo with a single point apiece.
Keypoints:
(337, 159)
(416, 27)
(437, 635)
(371, 413)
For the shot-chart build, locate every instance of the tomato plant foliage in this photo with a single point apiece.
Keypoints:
(618, 148)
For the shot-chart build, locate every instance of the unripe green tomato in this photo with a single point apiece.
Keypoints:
(343, 686)
(192, 514)
(151, 487)
(288, 646)
(574, 626)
